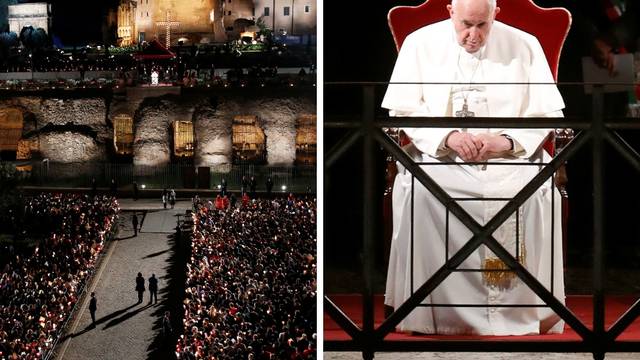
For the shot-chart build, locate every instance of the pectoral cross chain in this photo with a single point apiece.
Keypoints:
(465, 111)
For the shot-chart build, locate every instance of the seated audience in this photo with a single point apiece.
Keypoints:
(250, 289)
(40, 284)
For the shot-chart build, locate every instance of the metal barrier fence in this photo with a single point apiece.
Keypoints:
(177, 176)
(596, 339)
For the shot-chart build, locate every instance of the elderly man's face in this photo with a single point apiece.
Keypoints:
(472, 20)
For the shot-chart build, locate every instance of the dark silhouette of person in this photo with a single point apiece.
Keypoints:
(135, 191)
(167, 330)
(93, 306)
(113, 187)
(252, 186)
(223, 187)
(243, 185)
(600, 29)
(94, 187)
(134, 222)
(269, 185)
(153, 288)
(140, 287)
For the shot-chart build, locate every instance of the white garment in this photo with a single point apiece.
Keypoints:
(431, 54)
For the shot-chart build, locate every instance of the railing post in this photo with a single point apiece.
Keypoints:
(598, 223)
(368, 220)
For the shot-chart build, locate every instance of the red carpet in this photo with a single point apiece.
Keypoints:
(580, 305)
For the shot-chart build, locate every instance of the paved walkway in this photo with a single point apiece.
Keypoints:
(125, 329)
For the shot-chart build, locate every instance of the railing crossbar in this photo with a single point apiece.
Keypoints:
(600, 130)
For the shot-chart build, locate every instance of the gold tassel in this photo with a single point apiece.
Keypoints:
(506, 279)
(501, 279)
(494, 277)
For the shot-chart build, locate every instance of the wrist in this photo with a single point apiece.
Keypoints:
(511, 142)
(446, 139)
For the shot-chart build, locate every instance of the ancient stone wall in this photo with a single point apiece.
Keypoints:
(152, 128)
(71, 147)
(28, 105)
(279, 116)
(213, 136)
(80, 130)
(90, 112)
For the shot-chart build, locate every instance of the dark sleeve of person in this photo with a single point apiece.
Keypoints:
(626, 30)
(589, 21)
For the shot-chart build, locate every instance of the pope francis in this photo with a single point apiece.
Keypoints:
(474, 66)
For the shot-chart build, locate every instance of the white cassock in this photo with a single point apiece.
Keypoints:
(432, 54)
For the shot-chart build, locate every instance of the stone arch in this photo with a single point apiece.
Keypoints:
(248, 140)
(123, 134)
(183, 139)
(306, 139)
(11, 127)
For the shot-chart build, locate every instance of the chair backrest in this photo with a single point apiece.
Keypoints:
(550, 26)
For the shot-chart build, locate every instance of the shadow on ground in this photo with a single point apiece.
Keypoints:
(155, 254)
(172, 294)
(126, 316)
(100, 321)
(125, 222)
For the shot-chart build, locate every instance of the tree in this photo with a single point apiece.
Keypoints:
(34, 40)
(7, 41)
(265, 31)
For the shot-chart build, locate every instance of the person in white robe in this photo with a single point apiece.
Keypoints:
(471, 49)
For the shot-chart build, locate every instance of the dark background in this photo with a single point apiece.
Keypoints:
(75, 22)
(358, 47)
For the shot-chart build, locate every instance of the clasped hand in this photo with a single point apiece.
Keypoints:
(478, 147)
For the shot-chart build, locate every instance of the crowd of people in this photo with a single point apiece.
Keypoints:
(250, 289)
(40, 284)
(120, 80)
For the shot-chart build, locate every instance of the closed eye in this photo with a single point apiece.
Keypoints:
(469, 24)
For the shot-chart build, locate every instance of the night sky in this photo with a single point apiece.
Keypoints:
(77, 22)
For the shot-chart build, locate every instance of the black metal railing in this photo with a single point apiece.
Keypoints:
(596, 340)
(178, 176)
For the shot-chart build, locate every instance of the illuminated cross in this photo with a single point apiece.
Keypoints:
(168, 24)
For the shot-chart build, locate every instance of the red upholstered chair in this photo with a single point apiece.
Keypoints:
(549, 26)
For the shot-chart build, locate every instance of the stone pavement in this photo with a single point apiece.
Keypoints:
(125, 329)
(476, 356)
